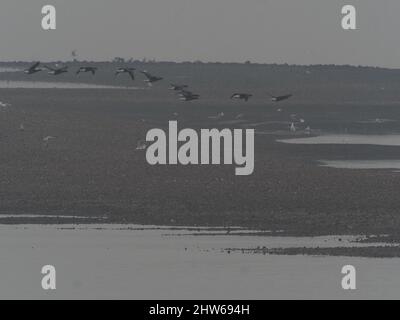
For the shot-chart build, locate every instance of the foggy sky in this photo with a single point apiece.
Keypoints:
(266, 31)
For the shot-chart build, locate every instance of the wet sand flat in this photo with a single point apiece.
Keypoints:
(92, 168)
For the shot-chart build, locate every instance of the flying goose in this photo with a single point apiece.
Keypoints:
(178, 87)
(188, 96)
(33, 69)
(57, 71)
(150, 78)
(87, 69)
(129, 71)
(280, 98)
(241, 96)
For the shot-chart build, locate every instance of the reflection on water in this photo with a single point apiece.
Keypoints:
(353, 139)
(55, 85)
(382, 140)
(361, 164)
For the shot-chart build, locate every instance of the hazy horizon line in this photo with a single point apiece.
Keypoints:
(155, 61)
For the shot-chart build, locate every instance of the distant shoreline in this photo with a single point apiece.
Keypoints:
(255, 64)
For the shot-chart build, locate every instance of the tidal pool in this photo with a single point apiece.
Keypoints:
(353, 139)
(361, 164)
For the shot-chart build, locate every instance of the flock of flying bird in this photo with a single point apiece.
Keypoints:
(183, 93)
(57, 71)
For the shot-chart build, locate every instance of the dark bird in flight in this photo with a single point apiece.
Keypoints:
(87, 69)
(56, 71)
(129, 71)
(33, 69)
(150, 78)
(178, 87)
(241, 96)
(188, 96)
(280, 98)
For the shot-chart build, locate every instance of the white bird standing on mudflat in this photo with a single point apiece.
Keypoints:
(239, 116)
(129, 71)
(47, 140)
(4, 105)
(218, 116)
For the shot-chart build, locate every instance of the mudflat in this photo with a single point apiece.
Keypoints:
(91, 166)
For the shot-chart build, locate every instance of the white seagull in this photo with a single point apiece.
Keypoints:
(141, 145)
(4, 105)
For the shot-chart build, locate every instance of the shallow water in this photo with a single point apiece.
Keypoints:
(382, 140)
(39, 216)
(4, 84)
(376, 121)
(361, 164)
(136, 262)
(9, 69)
